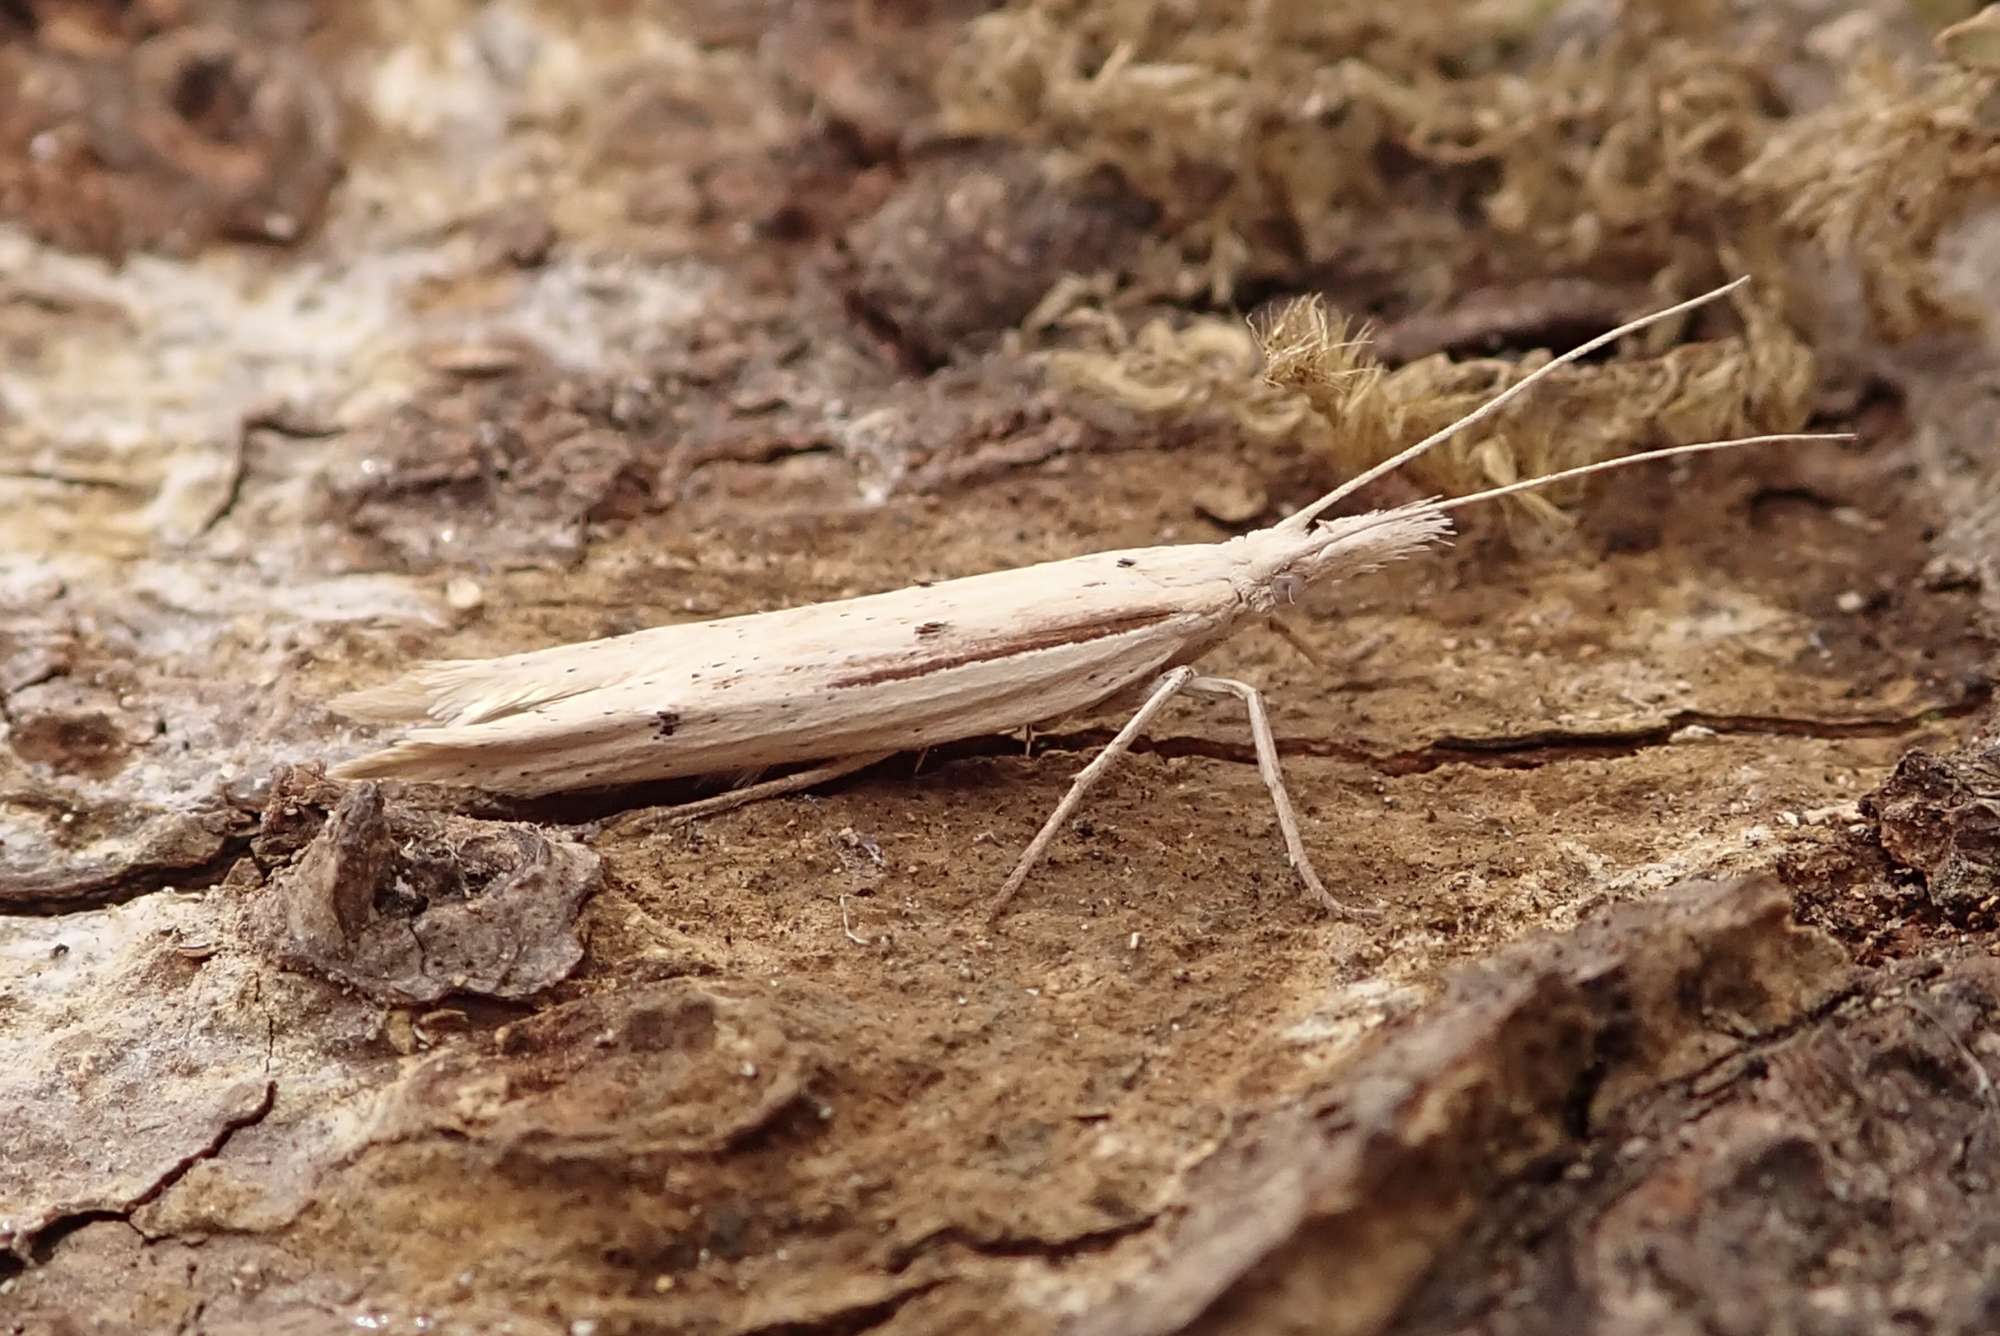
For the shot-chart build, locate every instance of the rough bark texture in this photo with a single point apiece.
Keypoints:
(341, 336)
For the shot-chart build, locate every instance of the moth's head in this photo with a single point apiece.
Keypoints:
(1284, 559)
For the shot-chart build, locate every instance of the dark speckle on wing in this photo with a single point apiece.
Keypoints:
(1004, 647)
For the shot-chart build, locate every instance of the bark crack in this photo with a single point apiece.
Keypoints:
(36, 1245)
(1522, 751)
(850, 1320)
(1017, 1245)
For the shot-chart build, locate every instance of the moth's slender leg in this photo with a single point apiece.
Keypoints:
(1288, 633)
(770, 788)
(1163, 691)
(1274, 780)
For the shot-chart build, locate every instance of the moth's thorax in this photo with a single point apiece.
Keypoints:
(1276, 564)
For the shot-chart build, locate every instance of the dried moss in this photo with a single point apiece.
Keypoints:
(1876, 175)
(1427, 149)
(1284, 136)
(1452, 144)
(1320, 386)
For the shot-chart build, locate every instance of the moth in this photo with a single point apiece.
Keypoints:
(838, 686)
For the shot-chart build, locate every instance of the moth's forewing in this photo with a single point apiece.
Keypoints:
(906, 669)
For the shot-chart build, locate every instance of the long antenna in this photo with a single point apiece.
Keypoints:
(1300, 518)
(1603, 466)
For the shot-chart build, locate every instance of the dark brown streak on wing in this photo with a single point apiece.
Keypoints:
(1047, 637)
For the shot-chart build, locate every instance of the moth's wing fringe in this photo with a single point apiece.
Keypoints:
(456, 696)
(450, 691)
(406, 758)
(407, 699)
(473, 691)
(455, 754)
